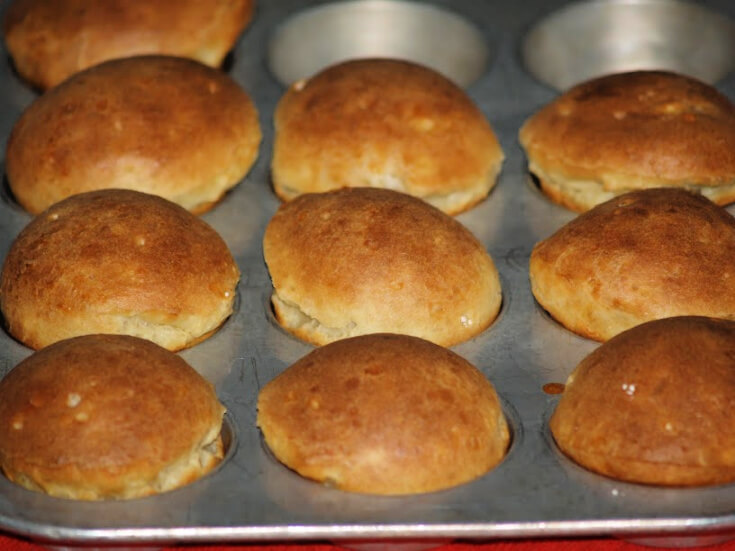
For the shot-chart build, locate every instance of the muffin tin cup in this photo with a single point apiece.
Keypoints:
(591, 38)
(250, 497)
(315, 38)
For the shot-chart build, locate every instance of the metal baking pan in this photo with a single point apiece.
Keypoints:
(536, 491)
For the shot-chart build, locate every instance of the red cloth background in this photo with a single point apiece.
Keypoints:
(11, 543)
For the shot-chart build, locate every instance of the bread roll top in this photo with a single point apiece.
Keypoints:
(384, 414)
(634, 130)
(365, 260)
(49, 40)
(655, 404)
(645, 255)
(107, 416)
(384, 123)
(117, 261)
(161, 125)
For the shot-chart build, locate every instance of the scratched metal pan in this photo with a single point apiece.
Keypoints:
(512, 57)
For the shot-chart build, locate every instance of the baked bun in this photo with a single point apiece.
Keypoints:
(645, 255)
(117, 261)
(162, 125)
(630, 131)
(107, 417)
(365, 260)
(388, 124)
(384, 414)
(652, 405)
(49, 40)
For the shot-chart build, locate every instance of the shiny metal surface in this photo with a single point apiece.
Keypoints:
(317, 37)
(593, 37)
(535, 492)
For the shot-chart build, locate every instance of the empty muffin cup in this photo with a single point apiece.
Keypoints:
(315, 38)
(595, 37)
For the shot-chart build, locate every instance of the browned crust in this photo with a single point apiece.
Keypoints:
(162, 125)
(655, 405)
(365, 260)
(99, 261)
(383, 123)
(384, 414)
(49, 40)
(636, 130)
(102, 416)
(644, 255)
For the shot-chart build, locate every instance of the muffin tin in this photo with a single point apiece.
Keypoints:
(535, 491)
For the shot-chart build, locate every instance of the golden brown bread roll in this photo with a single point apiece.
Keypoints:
(117, 261)
(654, 404)
(641, 256)
(49, 40)
(163, 125)
(384, 123)
(365, 260)
(628, 131)
(384, 414)
(107, 417)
